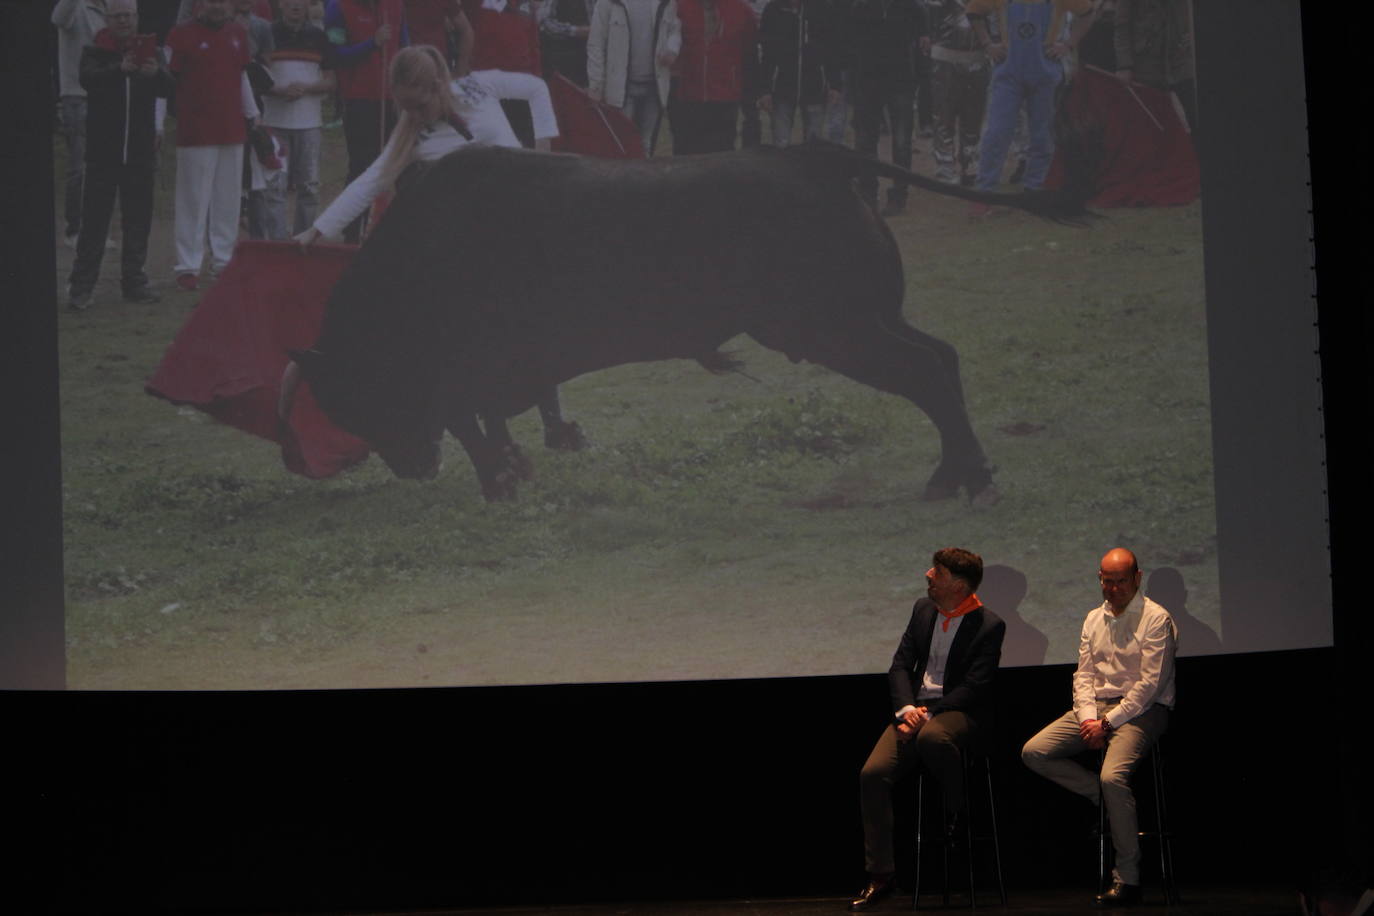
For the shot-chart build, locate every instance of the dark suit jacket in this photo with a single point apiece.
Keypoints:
(972, 664)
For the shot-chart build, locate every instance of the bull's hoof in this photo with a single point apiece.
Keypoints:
(935, 492)
(517, 462)
(943, 484)
(499, 488)
(947, 481)
(565, 435)
(986, 497)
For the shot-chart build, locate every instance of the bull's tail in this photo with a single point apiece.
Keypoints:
(718, 362)
(1067, 204)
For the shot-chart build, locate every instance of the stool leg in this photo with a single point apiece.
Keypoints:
(996, 843)
(920, 810)
(1101, 835)
(1166, 851)
(944, 846)
(1102, 845)
(968, 836)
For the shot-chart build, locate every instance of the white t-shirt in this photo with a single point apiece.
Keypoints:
(478, 96)
(293, 114)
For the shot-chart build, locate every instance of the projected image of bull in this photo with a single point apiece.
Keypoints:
(500, 273)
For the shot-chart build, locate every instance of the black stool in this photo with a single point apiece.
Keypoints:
(1161, 831)
(972, 761)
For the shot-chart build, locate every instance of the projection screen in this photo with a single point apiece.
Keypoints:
(1148, 380)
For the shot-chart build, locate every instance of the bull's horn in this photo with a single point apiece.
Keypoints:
(290, 378)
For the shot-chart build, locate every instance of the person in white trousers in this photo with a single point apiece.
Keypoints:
(215, 108)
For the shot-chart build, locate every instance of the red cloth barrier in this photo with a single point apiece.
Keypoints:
(228, 358)
(1148, 157)
(590, 127)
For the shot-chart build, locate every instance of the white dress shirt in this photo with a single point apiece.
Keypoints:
(1128, 655)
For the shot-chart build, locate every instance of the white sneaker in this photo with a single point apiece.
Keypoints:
(111, 245)
(70, 240)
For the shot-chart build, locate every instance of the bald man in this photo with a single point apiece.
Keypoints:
(1123, 692)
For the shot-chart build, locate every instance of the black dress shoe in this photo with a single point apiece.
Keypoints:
(1118, 894)
(877, 888)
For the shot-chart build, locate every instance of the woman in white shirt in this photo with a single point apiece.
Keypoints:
(438, 115)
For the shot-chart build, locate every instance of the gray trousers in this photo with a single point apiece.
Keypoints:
(303, 174)
(1049, 753)
(939, 747)
(72, 112)
(958, 97)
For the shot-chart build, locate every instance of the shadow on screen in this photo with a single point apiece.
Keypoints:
(1166, 586)
(1003, 590)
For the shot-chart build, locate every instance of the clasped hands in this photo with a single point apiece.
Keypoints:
(1093, 733)
(131, 64)
(911, 722)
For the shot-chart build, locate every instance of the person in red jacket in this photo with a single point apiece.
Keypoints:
(717, 62)
(366, 35)
(213, 106)
(506, 37)
(442, 24)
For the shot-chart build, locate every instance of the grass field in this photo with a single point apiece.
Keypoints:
(719, 526)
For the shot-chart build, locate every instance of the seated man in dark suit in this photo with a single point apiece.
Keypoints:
(941, 680)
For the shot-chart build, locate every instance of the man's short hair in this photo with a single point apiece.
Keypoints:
(962, 564)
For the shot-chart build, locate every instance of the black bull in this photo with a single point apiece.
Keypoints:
(499, 273)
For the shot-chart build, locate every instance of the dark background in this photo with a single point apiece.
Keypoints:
(445, 797)
(429, 798)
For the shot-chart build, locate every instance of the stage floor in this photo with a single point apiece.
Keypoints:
(1230, 901)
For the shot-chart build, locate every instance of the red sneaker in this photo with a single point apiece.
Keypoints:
(188, 282)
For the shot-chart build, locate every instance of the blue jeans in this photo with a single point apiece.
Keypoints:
(959, 96)
(303, 174)
(1026, 78)
(784, 112)
(265, 222)
(837, 115)
(643, 108)
(1008, 94)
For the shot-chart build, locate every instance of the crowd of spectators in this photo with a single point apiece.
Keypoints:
(250, 83)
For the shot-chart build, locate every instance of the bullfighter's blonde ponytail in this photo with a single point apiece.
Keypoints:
(420, 84)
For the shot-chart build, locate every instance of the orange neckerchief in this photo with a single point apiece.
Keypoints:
(971, 603)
